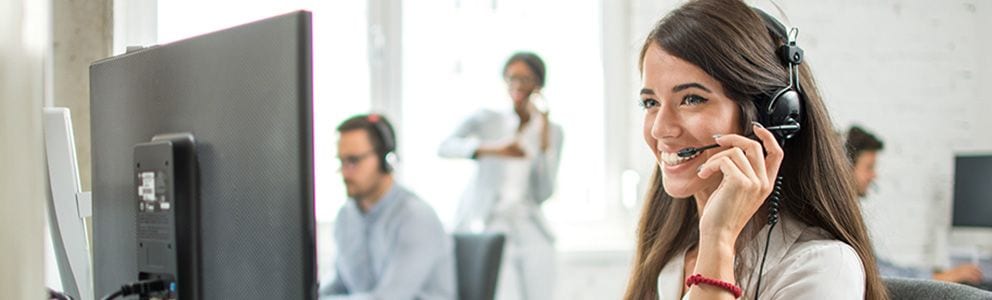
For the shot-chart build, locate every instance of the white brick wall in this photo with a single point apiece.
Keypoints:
(912, 71)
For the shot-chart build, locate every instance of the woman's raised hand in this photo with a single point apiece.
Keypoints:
(748, 178)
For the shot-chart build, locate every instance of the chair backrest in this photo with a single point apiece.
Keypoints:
(478, 257)
(910, 289)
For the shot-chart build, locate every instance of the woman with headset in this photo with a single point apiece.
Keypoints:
(751, 193)
(517, 152)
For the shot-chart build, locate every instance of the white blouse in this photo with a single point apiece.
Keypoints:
(508, 189)
(804, 262)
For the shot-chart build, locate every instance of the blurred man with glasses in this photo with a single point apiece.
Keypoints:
(390, 244)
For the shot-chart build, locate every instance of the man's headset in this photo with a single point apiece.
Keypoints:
(782, 112)
(384, 133)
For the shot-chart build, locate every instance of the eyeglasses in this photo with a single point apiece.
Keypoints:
(351, 161)
(521, 80)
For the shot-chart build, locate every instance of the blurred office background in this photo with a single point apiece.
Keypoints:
(916, 73)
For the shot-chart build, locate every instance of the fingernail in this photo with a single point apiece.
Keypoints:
(757, 124)
(699, 168)
(716, 136)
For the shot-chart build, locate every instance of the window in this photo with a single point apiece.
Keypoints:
(453, 55)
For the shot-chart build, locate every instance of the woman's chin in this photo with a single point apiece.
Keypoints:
(680, 195)
(677, 189)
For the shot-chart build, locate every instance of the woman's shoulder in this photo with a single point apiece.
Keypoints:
(816, 243)
(818, 266)
(833, 251)
(818, 255)
(483, 116)
(486, 113)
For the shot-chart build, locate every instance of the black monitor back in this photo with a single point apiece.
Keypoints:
(245, 95)
(972, 191)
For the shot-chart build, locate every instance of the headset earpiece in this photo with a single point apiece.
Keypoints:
(784, 109)
(782, 112)
(387, 156)
(389, 161)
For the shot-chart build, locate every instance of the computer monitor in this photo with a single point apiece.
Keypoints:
(972, 191)
(67, 206)
(245, 94)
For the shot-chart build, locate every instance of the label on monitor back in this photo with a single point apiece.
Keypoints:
(155, 219)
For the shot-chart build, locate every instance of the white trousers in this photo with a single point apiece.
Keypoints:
(528, 268)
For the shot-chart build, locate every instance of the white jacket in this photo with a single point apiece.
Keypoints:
(507, 188)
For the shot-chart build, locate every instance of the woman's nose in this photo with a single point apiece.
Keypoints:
(666, 124)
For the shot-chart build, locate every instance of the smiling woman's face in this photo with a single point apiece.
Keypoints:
(683, 107)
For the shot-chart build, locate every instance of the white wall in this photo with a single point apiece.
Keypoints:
(23, 37)
(592, 275)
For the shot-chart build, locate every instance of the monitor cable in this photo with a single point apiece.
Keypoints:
(143, 287)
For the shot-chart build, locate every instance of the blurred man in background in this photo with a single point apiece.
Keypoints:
(863, 148)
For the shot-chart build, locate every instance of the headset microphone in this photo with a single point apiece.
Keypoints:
(774, 129)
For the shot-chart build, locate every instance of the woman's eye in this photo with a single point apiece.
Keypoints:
(648, 103)
(693, 100)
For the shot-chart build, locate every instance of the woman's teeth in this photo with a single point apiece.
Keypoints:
(673, 159)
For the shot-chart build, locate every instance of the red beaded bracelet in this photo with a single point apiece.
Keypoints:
(699, 279)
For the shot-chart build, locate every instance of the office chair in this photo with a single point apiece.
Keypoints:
(478, 257)
(911, 289)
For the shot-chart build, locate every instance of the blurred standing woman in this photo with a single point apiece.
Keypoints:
(776, 216)
(517, 152)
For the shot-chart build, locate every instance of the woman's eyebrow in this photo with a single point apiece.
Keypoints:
(684, 86)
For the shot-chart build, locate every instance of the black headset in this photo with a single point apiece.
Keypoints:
(781, 114)
(782, 111)
(384, 132)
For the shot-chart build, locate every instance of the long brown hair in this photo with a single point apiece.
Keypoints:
(731, 43)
